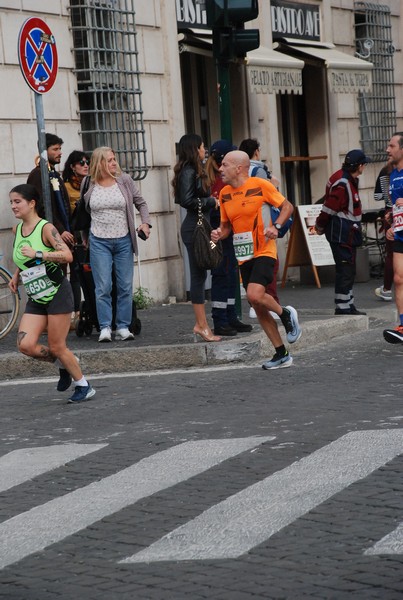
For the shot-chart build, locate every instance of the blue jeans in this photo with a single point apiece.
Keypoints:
(105, 254)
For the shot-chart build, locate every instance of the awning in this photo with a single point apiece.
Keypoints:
(273, 72)
(346, 73)
(196, 41)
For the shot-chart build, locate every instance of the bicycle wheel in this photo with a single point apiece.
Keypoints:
(9, 304)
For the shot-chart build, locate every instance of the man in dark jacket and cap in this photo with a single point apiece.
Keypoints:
(340, 221)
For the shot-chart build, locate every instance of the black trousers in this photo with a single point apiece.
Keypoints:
(345, 259)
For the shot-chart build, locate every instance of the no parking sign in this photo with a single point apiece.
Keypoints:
(37, 55)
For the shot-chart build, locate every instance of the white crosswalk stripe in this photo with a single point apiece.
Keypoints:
(234, 526)
(226, 530)
(24, 464)
(51, 522)
(390, 544)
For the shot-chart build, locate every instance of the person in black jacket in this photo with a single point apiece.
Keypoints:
(58, 194)
(190, 184)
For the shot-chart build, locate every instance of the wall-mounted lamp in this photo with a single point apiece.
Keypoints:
(365, 45)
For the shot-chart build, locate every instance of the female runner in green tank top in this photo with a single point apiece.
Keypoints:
(38, 253)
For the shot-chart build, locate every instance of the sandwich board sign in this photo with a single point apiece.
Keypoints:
(305, 246)
(37, 55)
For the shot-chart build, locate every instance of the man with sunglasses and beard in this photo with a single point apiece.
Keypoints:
(58, 194)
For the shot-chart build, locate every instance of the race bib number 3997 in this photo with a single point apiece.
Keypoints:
(243, 246)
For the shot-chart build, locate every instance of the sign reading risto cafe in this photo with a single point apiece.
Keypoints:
(291, 20)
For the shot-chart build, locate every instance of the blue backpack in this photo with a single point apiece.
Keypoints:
(274, 212)
(262, 166)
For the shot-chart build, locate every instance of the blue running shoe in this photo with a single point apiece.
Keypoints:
(278, 362)
(82, 393)
(289, 319)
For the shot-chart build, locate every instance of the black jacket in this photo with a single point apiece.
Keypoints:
(189, 189)
(34, 178)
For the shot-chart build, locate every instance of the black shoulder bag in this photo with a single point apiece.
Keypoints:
(81, 218)
(208, 254)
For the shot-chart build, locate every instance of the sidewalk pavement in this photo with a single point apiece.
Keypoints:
(166, 337)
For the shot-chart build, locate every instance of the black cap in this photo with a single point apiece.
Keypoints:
(220, 148)
(355, 158)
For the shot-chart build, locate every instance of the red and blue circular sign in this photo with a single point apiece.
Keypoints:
(37, 55)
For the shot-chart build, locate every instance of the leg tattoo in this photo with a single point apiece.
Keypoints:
(20, 337)
(45, 355)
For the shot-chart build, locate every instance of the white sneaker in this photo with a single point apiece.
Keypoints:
(124, 334)
(274, 315)
(252, 313)
(105, 335)
(384, 294)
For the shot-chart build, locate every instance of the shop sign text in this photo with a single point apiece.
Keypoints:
(273, 79)
(295, 20)
(350, 81)
(191, 13)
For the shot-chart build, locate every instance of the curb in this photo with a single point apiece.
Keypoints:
(247, 349)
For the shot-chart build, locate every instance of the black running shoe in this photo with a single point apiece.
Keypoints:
(289, 318)
(64, 381)
(394, 336)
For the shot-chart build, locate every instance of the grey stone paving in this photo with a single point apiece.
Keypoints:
(351, 384)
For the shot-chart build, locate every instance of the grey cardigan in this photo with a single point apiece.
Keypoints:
(132, 197)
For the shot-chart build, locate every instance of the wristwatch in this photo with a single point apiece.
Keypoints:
(38, 257)
(278, 226)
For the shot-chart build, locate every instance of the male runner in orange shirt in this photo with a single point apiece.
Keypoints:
(244, 206)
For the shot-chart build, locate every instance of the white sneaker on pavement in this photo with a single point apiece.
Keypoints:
(105, 335)
(124, 334)
(384, 294)
(252, 313)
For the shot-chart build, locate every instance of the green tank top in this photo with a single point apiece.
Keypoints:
(42, 281)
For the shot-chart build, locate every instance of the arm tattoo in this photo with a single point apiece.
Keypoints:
(56, 257)
(56, 236)
(59, 246)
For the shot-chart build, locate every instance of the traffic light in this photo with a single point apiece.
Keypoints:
(227, 18)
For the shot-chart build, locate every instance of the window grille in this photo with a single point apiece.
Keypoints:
(377, 109)
(106, 67)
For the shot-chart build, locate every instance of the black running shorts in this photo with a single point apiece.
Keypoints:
(398, 246)
(61, 304)
(257, 270)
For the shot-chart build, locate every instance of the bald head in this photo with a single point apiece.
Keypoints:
(235, 168)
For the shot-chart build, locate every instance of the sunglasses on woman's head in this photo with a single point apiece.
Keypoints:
(83, 162)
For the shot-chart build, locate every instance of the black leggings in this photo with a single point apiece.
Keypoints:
(75, 283)
(197, 275)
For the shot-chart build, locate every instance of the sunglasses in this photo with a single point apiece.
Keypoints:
(83, 162)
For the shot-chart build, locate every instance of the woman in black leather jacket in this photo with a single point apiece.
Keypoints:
(190, 184)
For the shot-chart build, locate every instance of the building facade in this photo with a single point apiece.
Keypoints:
(326, 78)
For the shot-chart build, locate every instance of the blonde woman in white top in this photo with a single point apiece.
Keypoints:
(111, 198)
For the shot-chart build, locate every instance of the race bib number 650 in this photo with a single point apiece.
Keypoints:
(36, 282)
